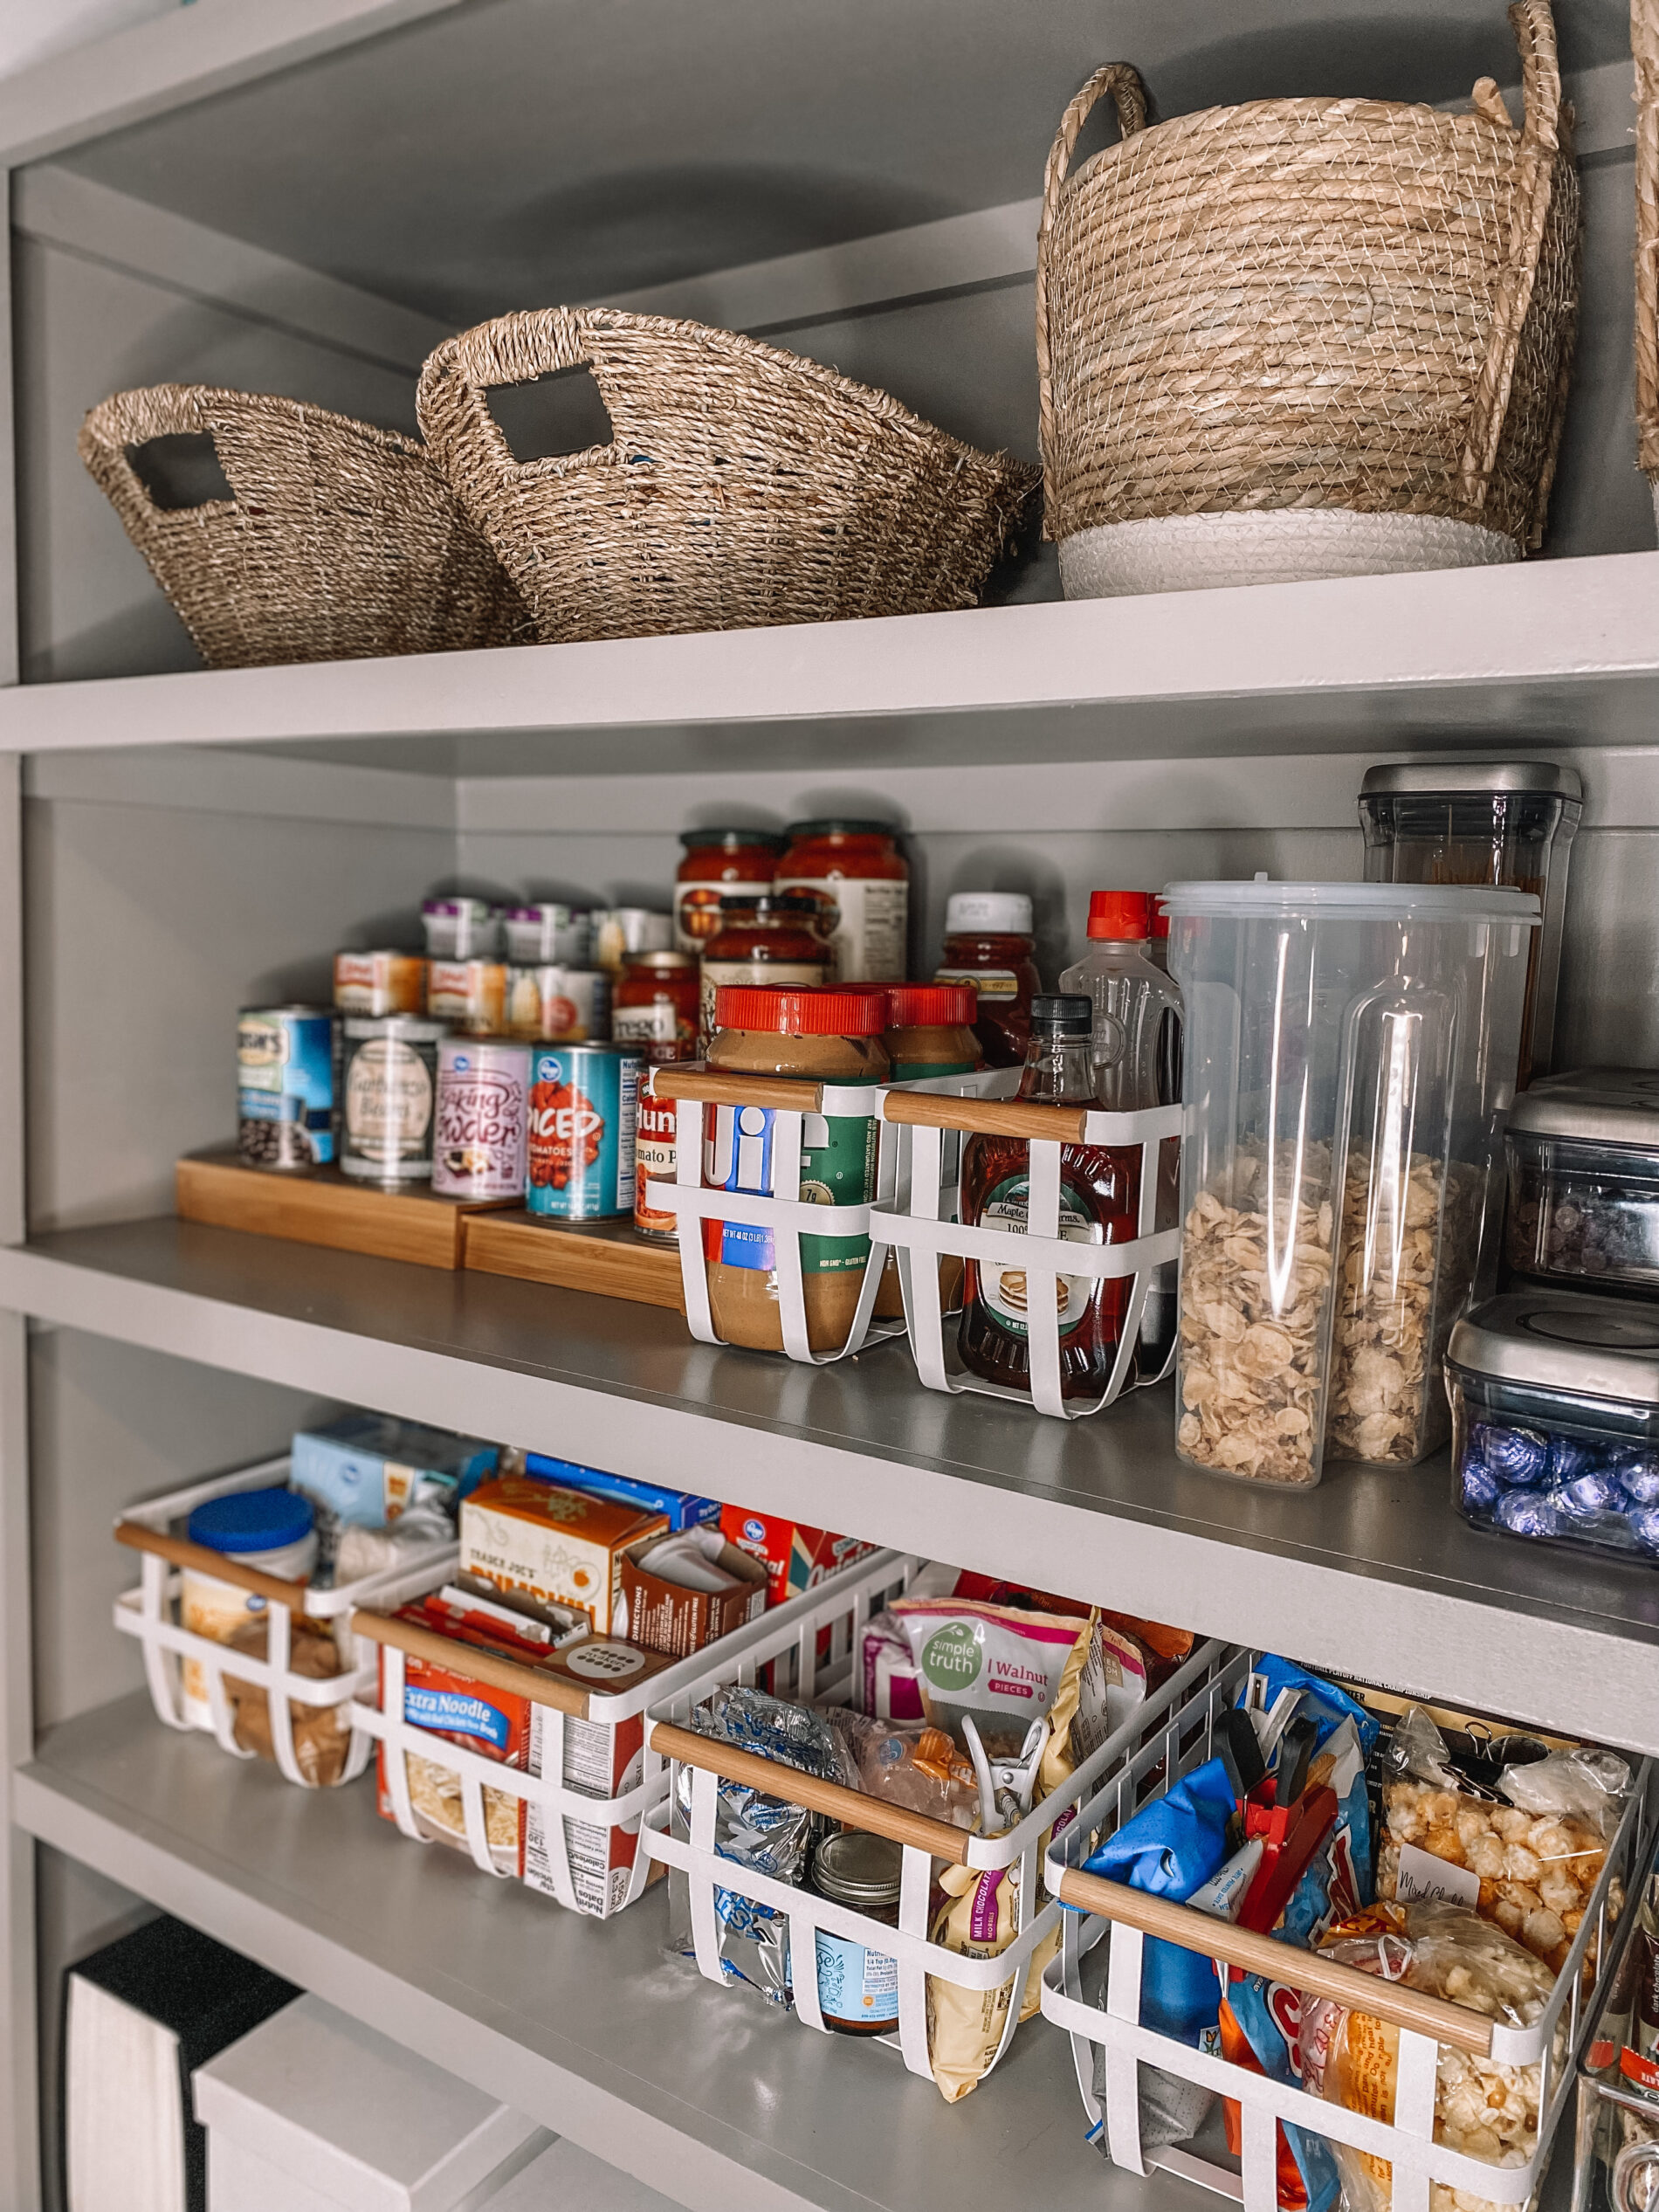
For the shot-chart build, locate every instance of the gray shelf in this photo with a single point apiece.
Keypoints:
(1373, 1572)
(706, 2094)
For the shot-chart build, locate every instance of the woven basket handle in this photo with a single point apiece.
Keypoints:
(1644, 47)
(453, 404)
(133, 419)
(1130, 99)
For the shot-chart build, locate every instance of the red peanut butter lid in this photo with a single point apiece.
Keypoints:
(1120, 914)
(931, 1006)
(802, 1013)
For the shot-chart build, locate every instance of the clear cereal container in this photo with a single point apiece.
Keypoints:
(1584, 1182)
(1555, 1420)
(1350, 1053)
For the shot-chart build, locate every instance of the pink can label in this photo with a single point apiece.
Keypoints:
(478, 1149)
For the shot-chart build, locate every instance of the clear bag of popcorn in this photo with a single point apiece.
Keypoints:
(1351, 1055)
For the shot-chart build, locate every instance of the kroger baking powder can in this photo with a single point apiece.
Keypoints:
(388, 1096)
(583, 1101)
(284, 1086)
(483, 1088)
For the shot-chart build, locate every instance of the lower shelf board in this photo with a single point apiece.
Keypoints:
(709, 2095)
(609, 1257)
(323, 1207)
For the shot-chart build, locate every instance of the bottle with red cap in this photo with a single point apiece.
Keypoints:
(824, 1036)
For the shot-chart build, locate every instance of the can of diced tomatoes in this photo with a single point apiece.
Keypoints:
(583, 1109)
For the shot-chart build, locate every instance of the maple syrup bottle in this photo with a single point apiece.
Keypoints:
(1100, 1196)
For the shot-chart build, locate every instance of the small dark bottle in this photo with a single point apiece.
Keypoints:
(1099, 1201)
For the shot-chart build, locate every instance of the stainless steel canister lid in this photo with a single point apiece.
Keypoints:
(854, 1868)
(1597, 1347)
(1585, 1113)
(1467, 777)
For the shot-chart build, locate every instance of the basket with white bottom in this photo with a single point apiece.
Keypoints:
(1002, 1872)
(245, 1700)
(1104, 2019)
(567, 1820)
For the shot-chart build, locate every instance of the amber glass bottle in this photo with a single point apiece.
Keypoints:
(1099, 1198)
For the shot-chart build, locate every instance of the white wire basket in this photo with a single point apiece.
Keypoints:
(813, 1666)
(1107, 2016)
(593, 1775)
(915, 1214)
(151, 1614)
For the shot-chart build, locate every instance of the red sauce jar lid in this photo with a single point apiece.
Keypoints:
(931, 1006)
(801, 1012)
(1120, 914)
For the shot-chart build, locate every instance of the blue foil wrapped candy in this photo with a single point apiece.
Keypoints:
(1516, 1457)
(1640, 1479)
(1643, 1525)
(1570, 1456)
(1526, 1514)
(1482, 1488)
(1591, 1495)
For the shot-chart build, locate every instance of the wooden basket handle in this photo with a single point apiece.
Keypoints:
(939, 1837)
(453, 400)
(224, 1567)
(1130, 97)
(1265, 1954)
(478, 1666)
(985, 1117)
(1644, 48)
(714, 1089)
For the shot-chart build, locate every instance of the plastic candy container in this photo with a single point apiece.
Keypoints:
(1555, 1420)
(1584, 1181)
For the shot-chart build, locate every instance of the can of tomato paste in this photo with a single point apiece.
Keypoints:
(583, 1106)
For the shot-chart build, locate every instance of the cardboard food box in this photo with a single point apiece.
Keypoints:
(655, 1610)
(683, 1508)
(524, 1534)
(795, 1558)
(366, 1468)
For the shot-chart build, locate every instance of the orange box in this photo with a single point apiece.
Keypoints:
(567, 1545)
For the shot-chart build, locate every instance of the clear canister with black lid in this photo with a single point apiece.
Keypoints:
(1584, 1182)
(1506, 823)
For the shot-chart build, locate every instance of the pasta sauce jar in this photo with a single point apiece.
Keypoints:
(861, 881)
(831, 1037)
(718, 863)
(656, 1006)
(764, 938)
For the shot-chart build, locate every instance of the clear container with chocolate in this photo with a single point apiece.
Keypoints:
(1584, 1184)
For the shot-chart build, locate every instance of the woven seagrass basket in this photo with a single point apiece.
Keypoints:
(742, 485)
(342, 542)
(1644, 47)
(1306, 337)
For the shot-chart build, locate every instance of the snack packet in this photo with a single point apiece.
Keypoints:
(910, 1764)
(1003, 1668)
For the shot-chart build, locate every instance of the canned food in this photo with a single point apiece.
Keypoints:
(461, 928)
(483, 1088)
(544, 930)
(556, 1005)
(471, 994)
(583, 1100)
(286, 1086)
(380, 982)
(654, 1158)
(620, 932)
(388, 1093)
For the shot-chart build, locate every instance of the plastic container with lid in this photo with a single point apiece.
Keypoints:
(719, 863)
(988, 944)
(621, 932)
(834, 1039)
(930, 1031)
(1584, 1184)
(1350, 1052)
(274, 1531)
(1505, 822)
(861, 880)
(1555, 1420)
(461, 928)
(857, 1987)
(542, 933)
(656, 1006)
(766, 939)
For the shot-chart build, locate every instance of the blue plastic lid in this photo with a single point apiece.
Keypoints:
(253, 1520)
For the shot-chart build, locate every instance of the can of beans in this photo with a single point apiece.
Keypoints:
(469, 994)
(655, 1159)
(380, 982)
(286, 1086)
(552, 1004)
(583, 1101)
(483, 1089)
(388, 1096)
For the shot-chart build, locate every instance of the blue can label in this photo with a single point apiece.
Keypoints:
(286, 1088)
(583, 1103)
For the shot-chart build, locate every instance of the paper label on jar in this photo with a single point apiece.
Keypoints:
(989, 983)
(1004, 1290)
(770, 975)
(388, 1100)
(1420, 1874)
(838, 1169)
(654, 1159)
(868, 930)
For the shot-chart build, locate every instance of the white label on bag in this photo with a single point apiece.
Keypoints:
(1420, 1874)
(867, 942)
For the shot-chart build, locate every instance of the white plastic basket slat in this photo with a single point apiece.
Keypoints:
(1407, 2141)
(920, 1224)
(788, 1629)
(150, 1615)
(924, 1844)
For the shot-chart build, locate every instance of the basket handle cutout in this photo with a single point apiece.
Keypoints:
(458, 422)
(551, 418)
(1129, 96)
(154, 450)
(179, 470)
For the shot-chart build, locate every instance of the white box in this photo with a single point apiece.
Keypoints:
(312, 2113)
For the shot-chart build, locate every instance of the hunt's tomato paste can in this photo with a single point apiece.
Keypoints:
(583, 1107)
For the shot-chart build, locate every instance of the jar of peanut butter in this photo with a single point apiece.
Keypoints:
(828, 1037)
